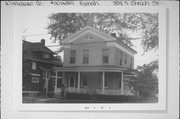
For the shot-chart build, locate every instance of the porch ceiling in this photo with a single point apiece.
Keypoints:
(91, 68)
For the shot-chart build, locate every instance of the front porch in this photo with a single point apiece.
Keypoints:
(102, 82)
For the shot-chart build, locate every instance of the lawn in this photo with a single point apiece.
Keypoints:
(38, 99)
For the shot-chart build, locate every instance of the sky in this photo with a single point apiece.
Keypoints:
(35, 21)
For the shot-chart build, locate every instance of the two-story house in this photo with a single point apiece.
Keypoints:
(94, 63)
(38, 63)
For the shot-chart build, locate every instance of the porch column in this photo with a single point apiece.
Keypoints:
(103, 82)
(79, 77)
(122, 83)
(47, 83)
(55, 88)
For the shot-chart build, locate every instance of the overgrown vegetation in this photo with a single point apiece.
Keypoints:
(63, 24)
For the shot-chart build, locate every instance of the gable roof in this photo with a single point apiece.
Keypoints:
(37, 46)
(106, 37)
(31, 47)
(85, 30)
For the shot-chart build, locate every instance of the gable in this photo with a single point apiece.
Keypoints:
(88, 38)
(91, 35)
(82, 36)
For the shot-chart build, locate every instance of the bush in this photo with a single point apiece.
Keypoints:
(101, 97)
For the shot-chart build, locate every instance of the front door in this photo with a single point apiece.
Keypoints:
(71, 82)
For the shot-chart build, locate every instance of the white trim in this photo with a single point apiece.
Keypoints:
(120, 47)
(122, 83)
(67, 45)
(35, 79)
(93, 70)
(87, 30)
(79, 79)
(55, 88)
(33, 74)
(103, 82)
(30, 91)
(34, 65)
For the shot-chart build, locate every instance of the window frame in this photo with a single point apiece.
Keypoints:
(35, 78)
(106, 83)
(34, 65)
(86, 56)
(125, 61)
(121, 59)
(86, 83)
(105, 56)
(131, 63)
(72, 57)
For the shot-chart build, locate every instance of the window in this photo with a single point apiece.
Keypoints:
(72, 81)
(125, 61)
(73, 57)
(131, 65)
(106, 83)
(89, 37)
(46, 74)
(119, 83)
(33, 65)
(84, 82)
(121, 58)
(105, 56)
(35, 80)
(59, 82)
(46, 55)
(85, 56)
(53, 81)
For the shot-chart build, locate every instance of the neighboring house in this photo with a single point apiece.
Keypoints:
(38, 63)
(94, 63)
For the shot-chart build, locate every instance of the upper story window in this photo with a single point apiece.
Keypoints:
(46, 55)
(72, 56)
(33, 65)
(125, 61)
(85, 56)
(131, 64)
(105, 57)
(121, 54)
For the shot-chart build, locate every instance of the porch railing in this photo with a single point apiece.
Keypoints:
(99, 91)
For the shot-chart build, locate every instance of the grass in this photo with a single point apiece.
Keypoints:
(84, 98)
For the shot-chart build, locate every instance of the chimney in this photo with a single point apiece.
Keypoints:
(113, 34)
(43, 42)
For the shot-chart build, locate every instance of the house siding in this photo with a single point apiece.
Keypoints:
(117, 59)
(95, 54)
(33, 53)
(99, 78)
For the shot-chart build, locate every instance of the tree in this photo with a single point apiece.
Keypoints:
(146, 81)
(63, 24)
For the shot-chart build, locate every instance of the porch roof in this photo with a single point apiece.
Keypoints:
(91, 68)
